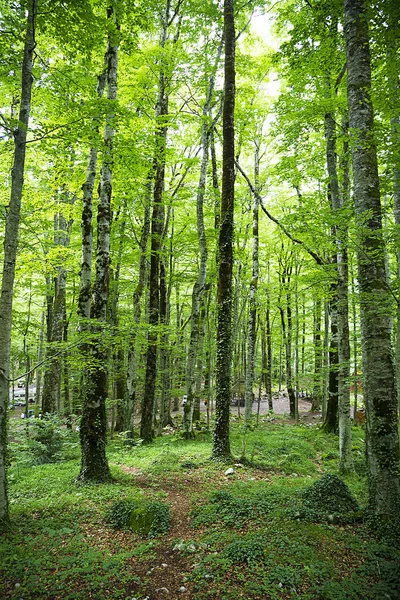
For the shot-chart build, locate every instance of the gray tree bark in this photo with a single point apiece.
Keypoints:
(341, 298)
(52, 375)
(251, 324)
(198, 288)
(10, 244)
(380, 398)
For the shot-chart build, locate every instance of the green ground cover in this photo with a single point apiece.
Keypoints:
(249, 534)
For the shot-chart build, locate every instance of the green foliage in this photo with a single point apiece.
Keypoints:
(44, 441)
(248, 550)
(146, 518)
(234, 511)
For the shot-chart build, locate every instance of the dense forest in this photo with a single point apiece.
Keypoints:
(200, 213)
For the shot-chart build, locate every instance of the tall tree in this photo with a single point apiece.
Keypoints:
(199, 286)
(94, 465)
(382, 439)
(11, 241)
(157, 224)
(221, 442)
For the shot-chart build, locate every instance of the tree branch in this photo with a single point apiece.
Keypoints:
(315, 256)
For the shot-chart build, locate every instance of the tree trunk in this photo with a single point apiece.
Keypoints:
(52, 375)
(10, 245)
(317, 384)
(85, 287)
(199, 286)
(380, 398)
(93, 429)
(157, 225)
(131, 379)
(251, 325)
(221, 444)
(393, 77)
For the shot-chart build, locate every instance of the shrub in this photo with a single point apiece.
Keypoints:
(328, 499)
(330, 494)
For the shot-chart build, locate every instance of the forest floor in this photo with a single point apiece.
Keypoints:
(237, 530)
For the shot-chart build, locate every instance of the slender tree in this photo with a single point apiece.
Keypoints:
(11, 241)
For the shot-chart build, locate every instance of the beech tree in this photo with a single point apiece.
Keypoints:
(221, 444)
(11, 241)
(380, 398)
(93, 428)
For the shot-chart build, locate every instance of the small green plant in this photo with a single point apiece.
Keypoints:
(249, 550)
(146, 518)
(233, 511)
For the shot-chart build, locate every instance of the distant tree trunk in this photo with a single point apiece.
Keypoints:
(331, 418)
(221, 444)
(200, 355)
(10, 245)
(199, 286)
(118, 351)
(26, 350)
(131, 379)
(157, 223)
(52, 375)
(93, 429)
(251, 325)
(325, 354)
(380, 398)
(355, 343)
(39, 360)
(165, 352)
(67, 395)
(268, 331)
(287, 324)
(317, 385)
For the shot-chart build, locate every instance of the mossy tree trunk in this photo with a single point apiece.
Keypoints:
(93, 428)
(380, 397)
(221, 442)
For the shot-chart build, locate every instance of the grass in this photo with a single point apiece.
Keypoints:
(234, 536)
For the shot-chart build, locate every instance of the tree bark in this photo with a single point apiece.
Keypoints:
(221, 443)
(52, 375)
(93, 429)
(341, 297)
(131, 379)
(380, 398)
(317, 384)
(198, 288)
(251, 325)
(157, 224)
(85, 287)
(10, 245)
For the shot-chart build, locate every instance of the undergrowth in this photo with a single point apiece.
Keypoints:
(243, 538)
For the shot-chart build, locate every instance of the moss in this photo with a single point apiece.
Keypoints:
(143, 517)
